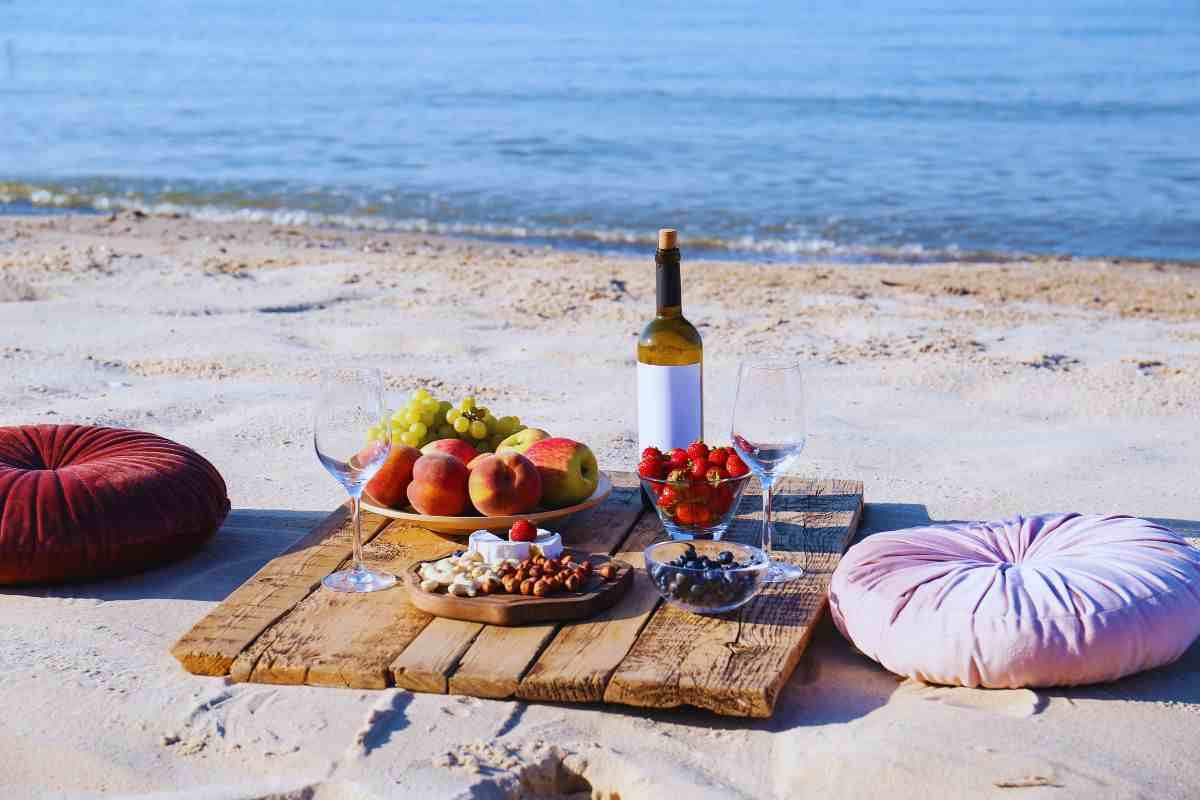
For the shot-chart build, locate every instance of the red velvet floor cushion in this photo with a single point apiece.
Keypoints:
(79, 502)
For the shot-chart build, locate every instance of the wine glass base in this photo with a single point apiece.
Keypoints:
(780, 572)
(359, 580)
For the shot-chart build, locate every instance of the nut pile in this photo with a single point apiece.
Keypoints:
(467, 575)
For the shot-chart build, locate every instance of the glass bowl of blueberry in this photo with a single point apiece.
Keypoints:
(705, 576)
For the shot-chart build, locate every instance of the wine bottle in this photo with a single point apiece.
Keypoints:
(670, 363)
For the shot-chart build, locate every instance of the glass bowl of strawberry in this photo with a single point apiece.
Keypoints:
(695, 491)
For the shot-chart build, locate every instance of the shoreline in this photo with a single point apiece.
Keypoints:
(953, 390)
(17, 200)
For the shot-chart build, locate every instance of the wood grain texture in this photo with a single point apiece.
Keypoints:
(432, 656)
(342, 639)
(212, 645)
(499, 657)
(736, 664)
(576, 665)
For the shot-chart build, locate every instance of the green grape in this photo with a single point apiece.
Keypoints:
(444, 406)
(428, 418)
(479, 429)
(462, 424)
(489, 420)
(452, 415)
(516, 424)
(419, 428)
(421, 394)
(467, 404)
(445, 431)
(482, 411)
(410, 438)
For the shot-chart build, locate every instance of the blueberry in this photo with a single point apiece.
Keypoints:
(725, 557)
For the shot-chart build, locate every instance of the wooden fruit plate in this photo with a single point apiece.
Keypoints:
(464, 526)
(517, 609)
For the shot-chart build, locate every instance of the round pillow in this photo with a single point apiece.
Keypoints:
(1055, 600)
(80, 502)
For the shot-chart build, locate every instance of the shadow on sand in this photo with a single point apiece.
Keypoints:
(249, 539)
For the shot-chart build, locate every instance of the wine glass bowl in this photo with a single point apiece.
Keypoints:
(712, 588)
(696, 509)
(352, 441)
(768, 431)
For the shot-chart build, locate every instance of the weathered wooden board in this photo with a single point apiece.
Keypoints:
(279, 627)
(736, 664)
(211, 646)
(577, 664)
(338, 639)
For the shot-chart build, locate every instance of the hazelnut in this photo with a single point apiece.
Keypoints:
(572, 583)
(566, 558)
(511, 584)
(527, 586)
(608, 572)
(549, 568)
(535, 572)
(541, 588)
(586, 566)
(521, 574)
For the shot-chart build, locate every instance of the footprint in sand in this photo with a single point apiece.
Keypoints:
(1008, 702)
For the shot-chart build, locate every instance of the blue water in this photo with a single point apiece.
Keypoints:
(852, 129)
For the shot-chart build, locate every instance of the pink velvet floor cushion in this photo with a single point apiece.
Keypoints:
(82, 502)
(1055, 600)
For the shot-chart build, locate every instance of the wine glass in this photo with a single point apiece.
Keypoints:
(768, 431)
(352, 439)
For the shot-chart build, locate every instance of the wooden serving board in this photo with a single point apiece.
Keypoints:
(282, 627)
(515, 609)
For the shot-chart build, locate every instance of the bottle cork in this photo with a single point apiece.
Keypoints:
(667, 239)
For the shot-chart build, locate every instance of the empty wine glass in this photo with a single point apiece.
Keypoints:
(768, 431)
(352, 439)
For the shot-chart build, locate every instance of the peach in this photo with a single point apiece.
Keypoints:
(439, 485)
(504, 484)
(461, 450)
(389, 486)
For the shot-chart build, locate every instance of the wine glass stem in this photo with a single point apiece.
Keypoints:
(767, 486)
(356, 513)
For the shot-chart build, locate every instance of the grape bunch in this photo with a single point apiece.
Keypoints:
(424, 419)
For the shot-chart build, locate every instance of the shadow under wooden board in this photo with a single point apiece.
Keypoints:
(281, 627)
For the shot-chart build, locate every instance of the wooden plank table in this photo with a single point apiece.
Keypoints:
(281, 627)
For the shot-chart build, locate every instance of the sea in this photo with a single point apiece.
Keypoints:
(859, 130)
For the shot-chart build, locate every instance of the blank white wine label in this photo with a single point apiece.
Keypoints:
(670, 406)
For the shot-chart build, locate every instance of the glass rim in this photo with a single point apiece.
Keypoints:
(761, 560)
(772, 363)
(691, 481)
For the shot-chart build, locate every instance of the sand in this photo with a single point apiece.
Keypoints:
(954, 391)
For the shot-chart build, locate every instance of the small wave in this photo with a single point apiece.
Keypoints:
(275, 209)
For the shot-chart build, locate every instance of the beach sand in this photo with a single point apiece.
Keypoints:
(954, 391)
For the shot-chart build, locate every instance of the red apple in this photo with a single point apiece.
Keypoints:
(439, 485)
(461, 450)
(389, 487)
(568, 469)
(505, 484)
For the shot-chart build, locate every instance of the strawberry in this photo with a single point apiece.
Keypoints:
(651, 467)
(652, 452)
(697, 469)
(735, 466)
(718, 456)
(522, 531)
(677, 458)
(698, 451)
(722, 499)
(667, 497)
